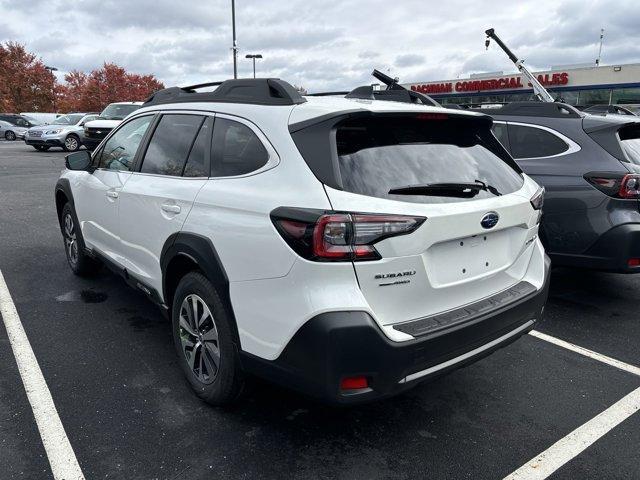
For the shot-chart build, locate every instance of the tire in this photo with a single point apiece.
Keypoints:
(9, 135)
(41, 148)
(71, 143)
(79, 262)
(217, 384)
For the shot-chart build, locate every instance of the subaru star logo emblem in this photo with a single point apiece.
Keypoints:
(490, 220)
(99, 132)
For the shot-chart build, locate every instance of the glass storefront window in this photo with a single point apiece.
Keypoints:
(594, 97)
(626, 95)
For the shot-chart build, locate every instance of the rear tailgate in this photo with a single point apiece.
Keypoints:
(454, 258)
(450, 260)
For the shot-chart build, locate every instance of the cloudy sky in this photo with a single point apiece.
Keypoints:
(331, 44)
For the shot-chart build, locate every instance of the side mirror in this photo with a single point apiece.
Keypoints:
(78, 160)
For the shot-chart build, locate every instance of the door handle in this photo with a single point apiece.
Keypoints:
(112, 194)
(170, 208)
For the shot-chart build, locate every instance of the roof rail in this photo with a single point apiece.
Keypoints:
(393, 93)
(257, 91)
(535, 109)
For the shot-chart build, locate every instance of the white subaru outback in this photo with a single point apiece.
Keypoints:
(348, 248)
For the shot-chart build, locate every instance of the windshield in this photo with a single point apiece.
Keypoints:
(32, 121)
(67, 120)
(118, 112)
(376, 155)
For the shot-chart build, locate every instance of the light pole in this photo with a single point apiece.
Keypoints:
(53, 83)
(253, 57)
(235, 45)
(600, 49)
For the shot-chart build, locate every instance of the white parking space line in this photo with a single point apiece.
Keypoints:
(586, 352)
(64, 464)
(569, 447)
(572, 445)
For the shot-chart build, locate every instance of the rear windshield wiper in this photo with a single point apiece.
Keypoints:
(458, 190)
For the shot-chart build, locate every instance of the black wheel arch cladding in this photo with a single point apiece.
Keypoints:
(200, 251)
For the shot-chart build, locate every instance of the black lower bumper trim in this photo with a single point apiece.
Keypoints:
(44, 143)
(468, 313)
(335, 345)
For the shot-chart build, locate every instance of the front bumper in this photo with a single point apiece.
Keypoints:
(90, 143)
(44, 141)
(335, 345)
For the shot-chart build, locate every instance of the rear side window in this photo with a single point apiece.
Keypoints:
(170, 144)
(379, 154)
(630, 141)
(530, 142)
(236, 150)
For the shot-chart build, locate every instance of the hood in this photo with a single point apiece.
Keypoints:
(102, 123)
(51, 126)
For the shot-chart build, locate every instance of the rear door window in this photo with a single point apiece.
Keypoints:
(532, 142)
(198, 161)
(170, 144)
(378, 154)
(501, 133)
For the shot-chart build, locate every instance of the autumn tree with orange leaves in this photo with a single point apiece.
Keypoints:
(26, 85)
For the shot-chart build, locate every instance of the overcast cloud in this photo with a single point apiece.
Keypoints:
(320, 45)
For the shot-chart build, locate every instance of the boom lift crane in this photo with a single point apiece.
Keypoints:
(540, 92)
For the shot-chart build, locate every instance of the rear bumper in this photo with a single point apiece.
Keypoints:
(610, 253)
(335, 345)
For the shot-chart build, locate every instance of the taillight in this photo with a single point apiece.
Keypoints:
(537, 201)
(617, 185)
(337, 236)
(630, 186)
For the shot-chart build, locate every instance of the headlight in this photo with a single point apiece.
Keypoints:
(86, 129)
(52, 132)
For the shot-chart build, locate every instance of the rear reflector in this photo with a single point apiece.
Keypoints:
(354, 383)
(634, 262)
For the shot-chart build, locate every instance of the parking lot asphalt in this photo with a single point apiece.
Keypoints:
(108, 360)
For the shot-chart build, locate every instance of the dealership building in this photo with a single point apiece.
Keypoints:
(581, 85)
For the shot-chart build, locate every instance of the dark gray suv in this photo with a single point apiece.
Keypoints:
(590, 167)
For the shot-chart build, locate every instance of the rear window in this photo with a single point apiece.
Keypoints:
(630, 141)
(378, 154)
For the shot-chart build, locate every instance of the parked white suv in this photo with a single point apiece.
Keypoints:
(344, 247)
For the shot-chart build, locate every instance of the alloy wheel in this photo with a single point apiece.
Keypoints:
(10, 136)
(70, 239)
(71, 144)
(199, 339)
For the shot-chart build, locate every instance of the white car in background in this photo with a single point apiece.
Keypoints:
(10, 132)
(111, 117)
(65, 132)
